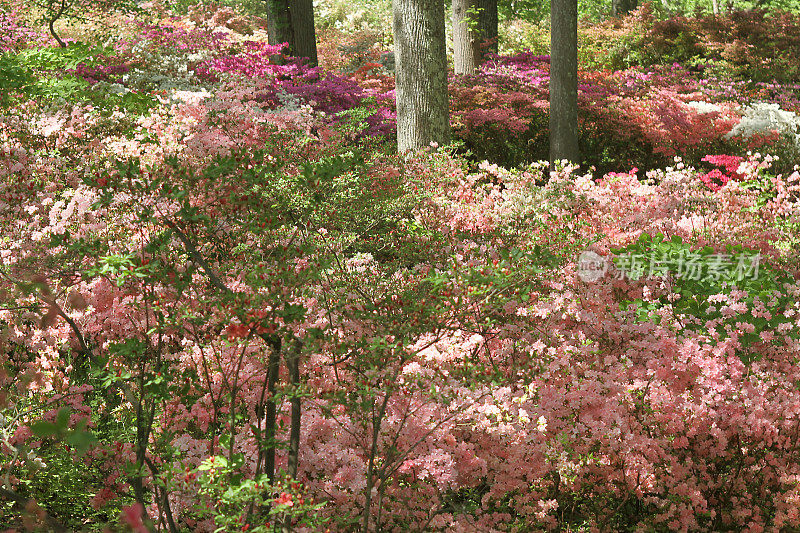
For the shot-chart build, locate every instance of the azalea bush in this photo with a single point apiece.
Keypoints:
(638, 117)
(737, 43)
(235, 308)
(629, 118)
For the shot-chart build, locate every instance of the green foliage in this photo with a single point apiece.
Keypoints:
(688, 7)
(538, 11)
(237, 503)
(45, 74)
(14, 78)
(47, 58)
(754, 45)
(51, 11)
(57, 473)
(701, 284)
(182, 7)
(65, 486)
(78, 437)
(373, 16)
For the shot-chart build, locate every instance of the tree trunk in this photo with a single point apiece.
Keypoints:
(377, 420)
(564, 81)
(292, 22)
(304, 38)
(620, 8)
(273, 367)
(487, 25)
(293, 365)
(54, 16)
(279, 25)
(466, 40)
(420, 74)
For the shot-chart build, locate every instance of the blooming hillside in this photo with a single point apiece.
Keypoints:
(227, 305)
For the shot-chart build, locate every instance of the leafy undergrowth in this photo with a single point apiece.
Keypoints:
(201, 249)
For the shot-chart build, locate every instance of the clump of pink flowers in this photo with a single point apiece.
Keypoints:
(716, 179)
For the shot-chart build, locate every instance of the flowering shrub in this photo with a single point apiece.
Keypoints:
(629, 118)
(75, 74)
(763, 119)
(716, 179)
(739, 44)
(719, 295)
(235, 313)
(744, 41)
(214, 17)
(16, 35)
(324, 91)
(103, 72)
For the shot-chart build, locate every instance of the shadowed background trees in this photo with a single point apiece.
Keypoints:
(292, 22)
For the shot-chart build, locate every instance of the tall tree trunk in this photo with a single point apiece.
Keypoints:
(620, 8)
(273, 367)
(420, 74)
(564, 81)
(293, 365)
(304, 38)
(292, 22)
(279, 24)
(487, 25)
(466, 40)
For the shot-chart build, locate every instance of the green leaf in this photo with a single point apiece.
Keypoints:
(237, 460)
(43, 429)
(62, 418)
(81, 440)
(294, 312)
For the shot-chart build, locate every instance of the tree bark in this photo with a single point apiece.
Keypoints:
(487, 25)
(420, 74)
(293, 365)
(54, 16)
(564, 81)
(377, 420)
(279, 25)
(304, 38)
(292, 22)
(466, 39)
(620, 8)
(273, 367)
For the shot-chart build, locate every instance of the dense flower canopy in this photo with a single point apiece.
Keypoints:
(227, 305)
